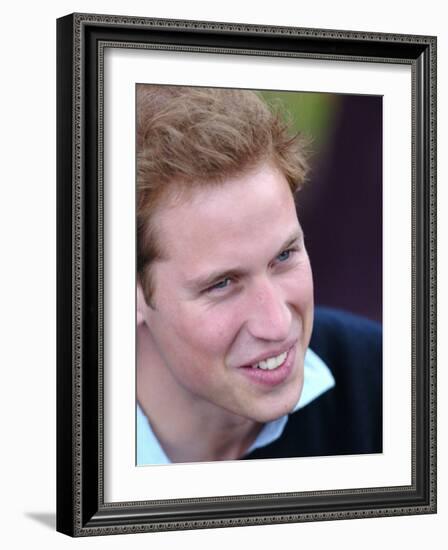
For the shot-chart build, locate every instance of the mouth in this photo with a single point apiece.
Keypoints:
(270, 360)
(271, 363)
(273, 370)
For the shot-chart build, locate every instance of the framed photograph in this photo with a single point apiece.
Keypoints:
(246, 275)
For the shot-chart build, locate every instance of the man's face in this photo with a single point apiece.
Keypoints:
(235, 291)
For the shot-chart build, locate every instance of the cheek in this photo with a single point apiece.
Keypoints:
(209, 332)
(298, 286)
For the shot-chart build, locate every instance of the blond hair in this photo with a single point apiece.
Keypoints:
(191, 137)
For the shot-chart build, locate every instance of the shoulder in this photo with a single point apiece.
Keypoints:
(337, 322)
(349, 415)
(351, 347)
(342, 336)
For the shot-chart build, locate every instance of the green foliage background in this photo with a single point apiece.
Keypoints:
(310, 113)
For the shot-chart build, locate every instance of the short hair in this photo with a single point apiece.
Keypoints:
(190, 137)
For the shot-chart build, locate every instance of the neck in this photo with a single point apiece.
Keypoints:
(188, 428)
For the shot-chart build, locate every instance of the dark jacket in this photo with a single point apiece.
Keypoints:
(347, 419)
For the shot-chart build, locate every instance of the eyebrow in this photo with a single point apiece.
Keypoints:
(199, 283)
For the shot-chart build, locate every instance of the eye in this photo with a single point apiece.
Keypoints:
(286, 254)
(220, 285)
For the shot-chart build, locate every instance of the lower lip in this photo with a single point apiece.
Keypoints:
(272, 377)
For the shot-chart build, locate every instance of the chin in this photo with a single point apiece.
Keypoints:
(278, 409)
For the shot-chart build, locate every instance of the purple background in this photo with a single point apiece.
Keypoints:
(340, 210)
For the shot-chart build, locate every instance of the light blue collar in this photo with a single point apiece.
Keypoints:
(317, 380)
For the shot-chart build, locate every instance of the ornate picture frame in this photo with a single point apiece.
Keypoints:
(82, 509)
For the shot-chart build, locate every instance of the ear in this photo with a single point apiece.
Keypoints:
(141, 305)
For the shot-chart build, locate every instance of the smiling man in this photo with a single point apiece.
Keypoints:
(225, 369)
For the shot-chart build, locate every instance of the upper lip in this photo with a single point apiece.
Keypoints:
(270, 353)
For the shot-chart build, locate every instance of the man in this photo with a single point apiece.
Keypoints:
(225, 368)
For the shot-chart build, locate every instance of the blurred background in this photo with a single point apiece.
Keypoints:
(340, 207)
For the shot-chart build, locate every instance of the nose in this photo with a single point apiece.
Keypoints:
(269, 317)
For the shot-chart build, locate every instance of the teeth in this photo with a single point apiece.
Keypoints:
(272, 362)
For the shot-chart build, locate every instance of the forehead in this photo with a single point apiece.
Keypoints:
(227, 219)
